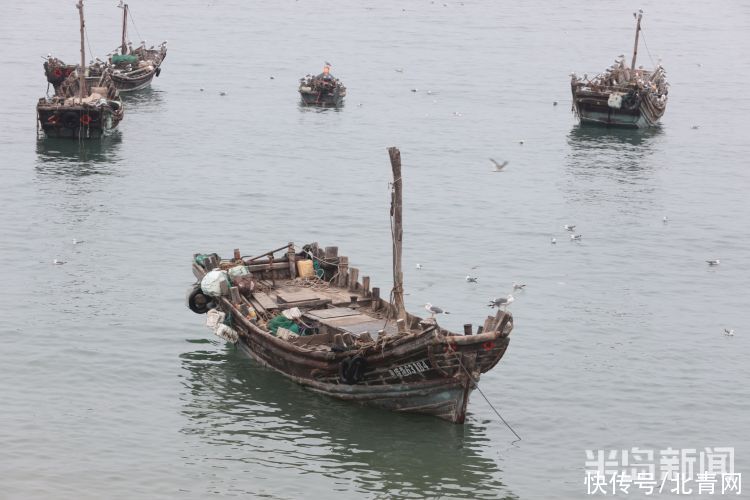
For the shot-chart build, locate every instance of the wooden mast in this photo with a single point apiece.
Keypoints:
(637, 32)
(124, 47)
(397, 234)
(82, 75)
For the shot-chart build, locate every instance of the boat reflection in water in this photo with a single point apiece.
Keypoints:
(248, 414)
(78, 158)
(619, 149)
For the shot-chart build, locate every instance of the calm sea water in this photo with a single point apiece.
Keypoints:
(111, 388)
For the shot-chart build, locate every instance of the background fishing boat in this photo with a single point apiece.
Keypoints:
(131, 68)
(622, 96)
(83, 107)
(322, 90)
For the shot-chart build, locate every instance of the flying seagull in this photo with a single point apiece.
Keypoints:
(499, 166)
(471, 279)
(728, 332)
(569, 227)
(501, 302)
(434, 309)
(518, 286)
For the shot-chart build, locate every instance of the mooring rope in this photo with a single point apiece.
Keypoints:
(476, 386)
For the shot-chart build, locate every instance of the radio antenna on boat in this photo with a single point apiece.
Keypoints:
(638, 17)
(397, 237)
(82, 76)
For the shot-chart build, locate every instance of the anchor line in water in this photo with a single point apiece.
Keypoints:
(476, 386)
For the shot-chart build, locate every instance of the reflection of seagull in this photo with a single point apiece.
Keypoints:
(471, 279)
(57, 262)
(713, 262)
(569, 227)
(501, 302)
(518, 286)
(728, 332)
(419, 266)
(499, 166)
(434, 309)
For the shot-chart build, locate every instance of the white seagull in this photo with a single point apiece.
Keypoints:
(471, 279)
(576, 237)
(665, 219)
(434, 310)
(58, 262)
(713, 262)
(729, 332)
(499, 166)
(501, 302)
(419, 266)
(569, 227)
(518, 286)
(78, 242)
(553, 240)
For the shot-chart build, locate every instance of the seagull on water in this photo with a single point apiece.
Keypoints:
(554, 103)
(665, 219)
(471, 279)
(57, 262)
(576, 237)
(713, 262)
(569, 227)
(399, 70)
(78, 242)
(501, 302)
(434, 309)
(419, 266)
(518, 286)
(729, 332)
(499, 166)
(553, 240)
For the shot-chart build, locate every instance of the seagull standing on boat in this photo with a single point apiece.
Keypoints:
(499, 166)
(471, 279)
(501, 302)
(433, 310)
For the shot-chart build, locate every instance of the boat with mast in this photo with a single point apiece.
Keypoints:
(307, 315)
(84, 107)
(621, 96)
(131, 68)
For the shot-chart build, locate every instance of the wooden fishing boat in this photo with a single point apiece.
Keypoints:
(307, 315)
(322, 90)
(83, 107)
(622, 96)
(131, 68)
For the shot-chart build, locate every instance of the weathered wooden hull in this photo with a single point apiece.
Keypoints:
(593, 108)
(77, 122)
(324, 99)
(423, 369)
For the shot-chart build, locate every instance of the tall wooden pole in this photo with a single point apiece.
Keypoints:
(397, 230)
(124, 47)
(635, 47)
(82, 76)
